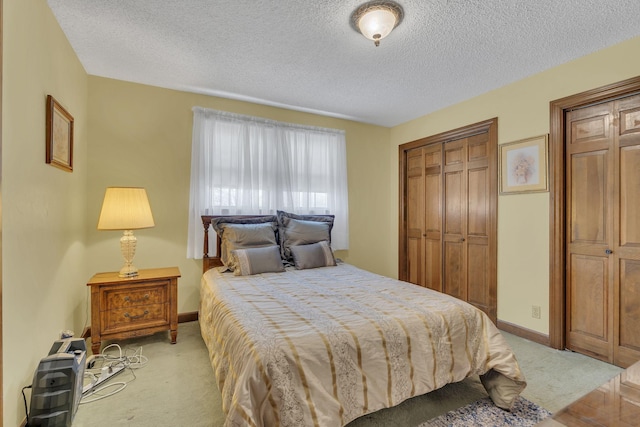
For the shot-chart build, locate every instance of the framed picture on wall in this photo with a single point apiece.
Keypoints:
(59, 136)
(523, 166)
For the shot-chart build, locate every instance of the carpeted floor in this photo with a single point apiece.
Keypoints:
(176, 387)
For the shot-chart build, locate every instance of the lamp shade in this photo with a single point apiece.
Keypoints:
(125, 208)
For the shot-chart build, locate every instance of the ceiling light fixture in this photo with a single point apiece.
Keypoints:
(376, 19)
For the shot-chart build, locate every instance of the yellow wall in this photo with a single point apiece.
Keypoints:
(141, 136)
(44, 208)
(522, 109)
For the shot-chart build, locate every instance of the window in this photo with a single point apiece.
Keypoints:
(243, 165)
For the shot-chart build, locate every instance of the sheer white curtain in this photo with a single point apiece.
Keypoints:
(242, 165)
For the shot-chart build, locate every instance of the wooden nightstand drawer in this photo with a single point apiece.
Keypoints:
(135, 317)
(153, 293)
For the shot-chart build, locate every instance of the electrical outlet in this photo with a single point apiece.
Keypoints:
(535, 311)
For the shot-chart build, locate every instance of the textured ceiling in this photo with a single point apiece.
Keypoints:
(304, 55)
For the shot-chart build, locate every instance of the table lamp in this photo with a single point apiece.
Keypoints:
(126, 208)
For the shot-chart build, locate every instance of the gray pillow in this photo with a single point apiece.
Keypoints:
(255, 232)
(257, 260)
(312, 256)
(297, 230)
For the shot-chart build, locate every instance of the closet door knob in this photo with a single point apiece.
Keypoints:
(462, 240)
(608, 251)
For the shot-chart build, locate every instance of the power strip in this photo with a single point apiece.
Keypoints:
(107, 372)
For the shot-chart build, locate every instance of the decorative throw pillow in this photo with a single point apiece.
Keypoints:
(257, 260)
(240, 233)
(312, 256)
(295, 230)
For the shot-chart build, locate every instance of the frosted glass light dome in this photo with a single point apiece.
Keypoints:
(377, 24)
(376, 19)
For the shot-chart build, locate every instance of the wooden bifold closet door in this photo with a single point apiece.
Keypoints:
(448, 205)
(603, 230)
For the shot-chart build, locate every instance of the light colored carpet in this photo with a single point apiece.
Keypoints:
(177, 388)
(556, 378)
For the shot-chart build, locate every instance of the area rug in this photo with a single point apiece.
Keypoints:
(484, 413)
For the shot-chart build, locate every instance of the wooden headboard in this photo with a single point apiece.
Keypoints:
(211, 262)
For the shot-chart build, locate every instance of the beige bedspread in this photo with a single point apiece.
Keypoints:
(324, 346)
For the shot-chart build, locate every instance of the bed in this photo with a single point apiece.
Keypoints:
(324, 345)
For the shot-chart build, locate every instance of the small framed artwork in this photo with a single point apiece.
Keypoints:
(523, 166)
(59, 136)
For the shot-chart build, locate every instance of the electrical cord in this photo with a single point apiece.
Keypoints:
(110, 360)
(24, 397)
(136, 360)
(99, 389)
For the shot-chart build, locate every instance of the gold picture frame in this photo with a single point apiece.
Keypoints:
(524, 165)
(59, 136)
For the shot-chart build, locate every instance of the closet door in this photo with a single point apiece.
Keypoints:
(627, 281)
(424, 200)
(455, 224)
(603, 230)
(468, 229)
(448, 205)
(589, 229)
(433, 216)
(415, 217)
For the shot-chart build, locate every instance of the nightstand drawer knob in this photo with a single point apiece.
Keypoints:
(144, 298)
(136, 316)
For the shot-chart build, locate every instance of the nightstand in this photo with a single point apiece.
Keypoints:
(127, 307)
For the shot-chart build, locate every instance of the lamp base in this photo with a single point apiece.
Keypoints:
(128, 247)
